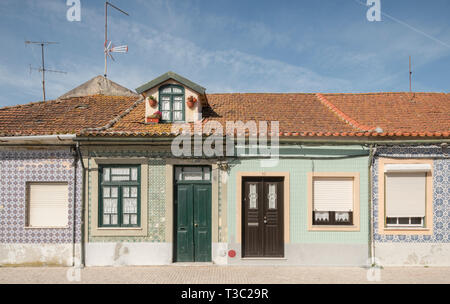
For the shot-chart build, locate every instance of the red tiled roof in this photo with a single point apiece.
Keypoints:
(62, 116)
(302, 115)
(396, 113)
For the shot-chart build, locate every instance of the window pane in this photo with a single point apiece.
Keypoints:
(130, 205)
(177, 90)
(177, 116)
(177, 106)
(342, 216)
(253, 196)
(403, 220)
(114, 219)
(165, 115)
(133, 219)
(321, 217)
(391, 220)
(110, 206)
(126, 219)
(106, 192)
(165, 105)
(207, 173)
(120, 178)
(134, 174)
(126, 191)
(106, 174)
(167, 90)
(416, 221)
(134, 192)
(120, 171)
(114, 192)
(106, 220)
(272, 196)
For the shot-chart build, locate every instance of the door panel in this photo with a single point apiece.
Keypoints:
(262, 220)
(193, 222)
(202, 223)
(185, 248)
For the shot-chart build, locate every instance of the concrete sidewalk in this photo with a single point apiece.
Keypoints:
(222, 275)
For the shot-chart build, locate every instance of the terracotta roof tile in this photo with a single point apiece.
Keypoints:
(62, 116)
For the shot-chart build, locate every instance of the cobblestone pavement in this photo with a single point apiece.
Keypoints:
(222, 275)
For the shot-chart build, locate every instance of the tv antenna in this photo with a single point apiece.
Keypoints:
(109, 47)
(410, 75)
(42, 69)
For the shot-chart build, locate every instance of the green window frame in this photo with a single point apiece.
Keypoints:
(171, 103)
(119, 196)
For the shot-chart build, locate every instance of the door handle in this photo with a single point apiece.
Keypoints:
(195, 225)
(265, 219)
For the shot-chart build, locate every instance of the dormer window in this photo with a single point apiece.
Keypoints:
(171, 103)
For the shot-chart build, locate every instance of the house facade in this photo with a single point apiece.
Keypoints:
(334, 191)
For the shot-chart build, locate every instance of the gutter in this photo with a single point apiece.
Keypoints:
(83, 200)
(373, 151)
(62, 137)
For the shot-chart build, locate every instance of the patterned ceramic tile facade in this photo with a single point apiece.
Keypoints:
(441, 193)
(156, 196)
(17, 167)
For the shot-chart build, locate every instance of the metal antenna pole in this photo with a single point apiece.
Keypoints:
(107, 50)
(42, 69)
(410, 75)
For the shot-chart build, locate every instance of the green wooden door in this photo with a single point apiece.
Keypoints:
(202, 223)
(193, 223)
(184, 229)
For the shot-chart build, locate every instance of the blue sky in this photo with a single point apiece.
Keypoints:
(230, 46)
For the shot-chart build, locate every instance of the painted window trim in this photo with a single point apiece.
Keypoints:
(172, 95)
(119, 185)
(356, 202)
(94, 229)
(382, 229)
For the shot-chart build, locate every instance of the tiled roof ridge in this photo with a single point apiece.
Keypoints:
(57, 100)
(287, 134)
(113, 121)
(346, 118)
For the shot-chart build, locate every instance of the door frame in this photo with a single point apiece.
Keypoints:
(286, 207)
(174, 210)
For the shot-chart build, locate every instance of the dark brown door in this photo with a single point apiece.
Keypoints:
(262, 220)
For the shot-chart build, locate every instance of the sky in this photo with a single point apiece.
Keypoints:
(229, 46)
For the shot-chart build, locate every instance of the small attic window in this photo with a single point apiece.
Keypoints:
(82, 107)
(171, 103)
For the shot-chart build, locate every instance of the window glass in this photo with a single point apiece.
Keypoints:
(119, 205)
(172, 103)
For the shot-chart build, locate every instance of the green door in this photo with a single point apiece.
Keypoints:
(193, 221)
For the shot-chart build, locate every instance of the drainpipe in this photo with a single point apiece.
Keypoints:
(74, 228)
(371, 208)
(82, 226)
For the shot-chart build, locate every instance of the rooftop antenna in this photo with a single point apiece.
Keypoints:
(42, 69)
(410, 75)
(109, 47)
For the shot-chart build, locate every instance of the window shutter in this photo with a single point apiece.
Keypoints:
(403, 168)
(48, 205)
(333, 194)
(405, 194)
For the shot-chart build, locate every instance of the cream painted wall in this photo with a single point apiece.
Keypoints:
(191, 115)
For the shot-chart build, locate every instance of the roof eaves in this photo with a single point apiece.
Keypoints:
(174, 76)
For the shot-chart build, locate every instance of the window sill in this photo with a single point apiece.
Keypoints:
(406, 229)
(32, 228)
(334, 228)
(118, 228)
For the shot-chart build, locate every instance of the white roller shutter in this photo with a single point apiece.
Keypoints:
(405, 194)
(333, 194)
(407, 168)
(49, 204)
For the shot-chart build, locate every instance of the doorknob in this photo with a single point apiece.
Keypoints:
(196, 225)
(265, 219)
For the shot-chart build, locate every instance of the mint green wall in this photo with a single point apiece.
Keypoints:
(298, 169)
